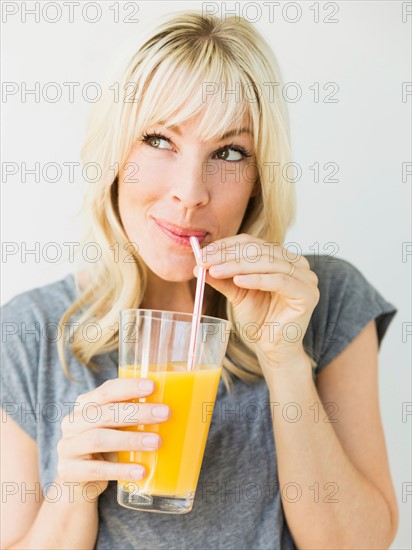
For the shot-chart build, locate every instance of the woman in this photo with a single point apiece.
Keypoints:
(181, 154)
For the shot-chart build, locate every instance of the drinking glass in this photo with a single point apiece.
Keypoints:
(155, 344)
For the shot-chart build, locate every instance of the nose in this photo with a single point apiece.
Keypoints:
(188, 186)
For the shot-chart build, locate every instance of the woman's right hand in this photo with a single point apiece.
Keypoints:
(90, 431)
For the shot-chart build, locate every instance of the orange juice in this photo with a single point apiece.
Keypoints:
(173, 469)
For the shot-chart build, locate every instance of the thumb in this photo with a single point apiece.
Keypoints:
(225, 286)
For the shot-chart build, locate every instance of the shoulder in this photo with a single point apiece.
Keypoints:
(341, 283)
(29, 324)
(333, 271)
(29, 320)
(40, 302)
(348, 302)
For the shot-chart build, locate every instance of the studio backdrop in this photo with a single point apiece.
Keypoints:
(347, 83)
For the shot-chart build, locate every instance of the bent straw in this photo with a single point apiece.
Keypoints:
(197, 310)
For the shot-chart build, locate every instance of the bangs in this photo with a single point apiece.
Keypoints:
(181, 88)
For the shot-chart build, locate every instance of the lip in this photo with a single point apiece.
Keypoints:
(181, 232)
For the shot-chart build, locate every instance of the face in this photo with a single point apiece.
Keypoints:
(176, 186)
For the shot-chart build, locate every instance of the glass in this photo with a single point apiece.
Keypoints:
(155, 344)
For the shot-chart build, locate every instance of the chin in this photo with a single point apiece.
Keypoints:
(175, 274)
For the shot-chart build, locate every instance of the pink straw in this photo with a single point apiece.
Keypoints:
(197, 312)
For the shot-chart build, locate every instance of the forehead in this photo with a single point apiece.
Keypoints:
(192, 125)
(185, 99)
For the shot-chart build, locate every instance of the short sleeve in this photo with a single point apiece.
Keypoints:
(347, 303)
(19, 362)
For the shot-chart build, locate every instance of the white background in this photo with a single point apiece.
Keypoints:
(365, 215)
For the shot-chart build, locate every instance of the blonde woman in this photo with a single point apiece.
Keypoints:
(181, 155)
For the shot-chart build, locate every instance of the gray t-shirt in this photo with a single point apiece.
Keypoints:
(238, 502)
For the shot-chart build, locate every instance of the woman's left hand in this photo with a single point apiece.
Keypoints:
(272, 308)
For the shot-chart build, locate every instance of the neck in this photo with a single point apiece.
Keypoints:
(172, 296)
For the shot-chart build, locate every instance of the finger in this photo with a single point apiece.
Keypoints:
(216, 247)
(114, 415)
(99, 470)
(230, 248)
(224, 286)
(249, 248)
(103, 440)
(118, 389)
(263, 265)
(274, 282)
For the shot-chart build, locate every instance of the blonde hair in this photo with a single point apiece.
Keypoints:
(188, 64)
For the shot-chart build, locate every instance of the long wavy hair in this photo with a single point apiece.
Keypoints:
(189, 63)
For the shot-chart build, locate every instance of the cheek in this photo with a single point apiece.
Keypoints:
(137, 185)
(232, 194)
(230, 212)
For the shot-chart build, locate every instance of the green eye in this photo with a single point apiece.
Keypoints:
(154, 139)
(225, 153)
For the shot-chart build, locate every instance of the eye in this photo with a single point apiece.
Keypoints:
(154, 140)
(229, 153)
(238, 153)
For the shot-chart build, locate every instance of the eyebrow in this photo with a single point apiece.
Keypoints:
(226, 135)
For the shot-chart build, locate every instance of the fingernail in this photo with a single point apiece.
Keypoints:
(151, 441)
(137, 473)
(145, 384)
(161, 411)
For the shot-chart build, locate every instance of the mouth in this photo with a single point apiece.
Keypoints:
(181, 234)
